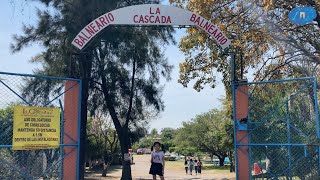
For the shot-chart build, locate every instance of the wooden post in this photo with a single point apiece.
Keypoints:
(71, 109)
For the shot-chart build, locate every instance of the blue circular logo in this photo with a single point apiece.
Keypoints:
(302, 15)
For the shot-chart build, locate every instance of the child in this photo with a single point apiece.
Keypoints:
(186, 166)
(157, 161)
(196, 166)
(191, 164)
(199, 166)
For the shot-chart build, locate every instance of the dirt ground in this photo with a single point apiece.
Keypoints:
(173, 171)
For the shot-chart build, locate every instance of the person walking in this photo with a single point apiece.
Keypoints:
(191, 164)
(186, 166)
(199, 166)
(157, 161)
(196, 166)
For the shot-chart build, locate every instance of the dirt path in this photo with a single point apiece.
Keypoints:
(141, 167)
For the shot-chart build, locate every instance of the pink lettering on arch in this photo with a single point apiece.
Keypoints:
(222, 42)
(77, 41)
(193, 17)
(198, 21)
(83, 39)
(110, 16)
(214, 32)
(157, 20)
(135, 18)
(150, 11)
(211, 28)
(163, 19)
(207, 25)
(103, 21)
(98, 25)
(93, 27)
(151, 19)
(89, 31)
(86, 37)
(218, 36)
(146, 19)
(169, 20)
(141, 19)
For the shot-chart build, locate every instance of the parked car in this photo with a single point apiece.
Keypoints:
(143, 151)
(217, 161)
(171, 158)
(140, 151)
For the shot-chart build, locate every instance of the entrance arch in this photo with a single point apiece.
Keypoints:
(148, 15)
(154, 15)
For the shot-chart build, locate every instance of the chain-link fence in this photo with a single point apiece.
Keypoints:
(37, 91)
(282, 129)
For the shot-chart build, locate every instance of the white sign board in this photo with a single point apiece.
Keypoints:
(148, 14)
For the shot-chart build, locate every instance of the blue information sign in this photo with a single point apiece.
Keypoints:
(302, 15)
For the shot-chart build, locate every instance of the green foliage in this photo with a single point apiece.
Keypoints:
(167, 137)
(6, 125)
(120, 69)
(145, 142)
(103, 141)
(186, 151)
(154, 133)
(260, 30)
(210, 132)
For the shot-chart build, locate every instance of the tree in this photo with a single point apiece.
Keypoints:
(209, 132)
(260, 30)
(120, 70)
(154, 133)
(102, 140)
(167, 135)
(137, 133)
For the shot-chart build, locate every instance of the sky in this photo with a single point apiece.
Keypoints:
(181, 104)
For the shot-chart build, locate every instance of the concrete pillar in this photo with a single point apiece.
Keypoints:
(242, 107)
(71, 103)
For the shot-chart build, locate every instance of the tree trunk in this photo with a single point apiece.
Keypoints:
(105, 168)
(126, 165)
(85, 70)
(232, 167)
(221, 160)
(83, 129)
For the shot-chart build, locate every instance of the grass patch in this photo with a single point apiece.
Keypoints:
(209, 168)
(214, 167)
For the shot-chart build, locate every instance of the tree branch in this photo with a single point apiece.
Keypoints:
(107, 97)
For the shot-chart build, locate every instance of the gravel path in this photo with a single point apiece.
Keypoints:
(141, 167)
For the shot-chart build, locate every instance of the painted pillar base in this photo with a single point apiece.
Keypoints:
(242, 106)
(71, 102)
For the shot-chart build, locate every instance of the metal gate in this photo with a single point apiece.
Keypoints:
(39, 91)
(280, 134)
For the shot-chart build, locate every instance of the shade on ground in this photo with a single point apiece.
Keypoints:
(173, 171)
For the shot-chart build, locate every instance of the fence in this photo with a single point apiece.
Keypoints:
(277, 129)
(40, 91)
